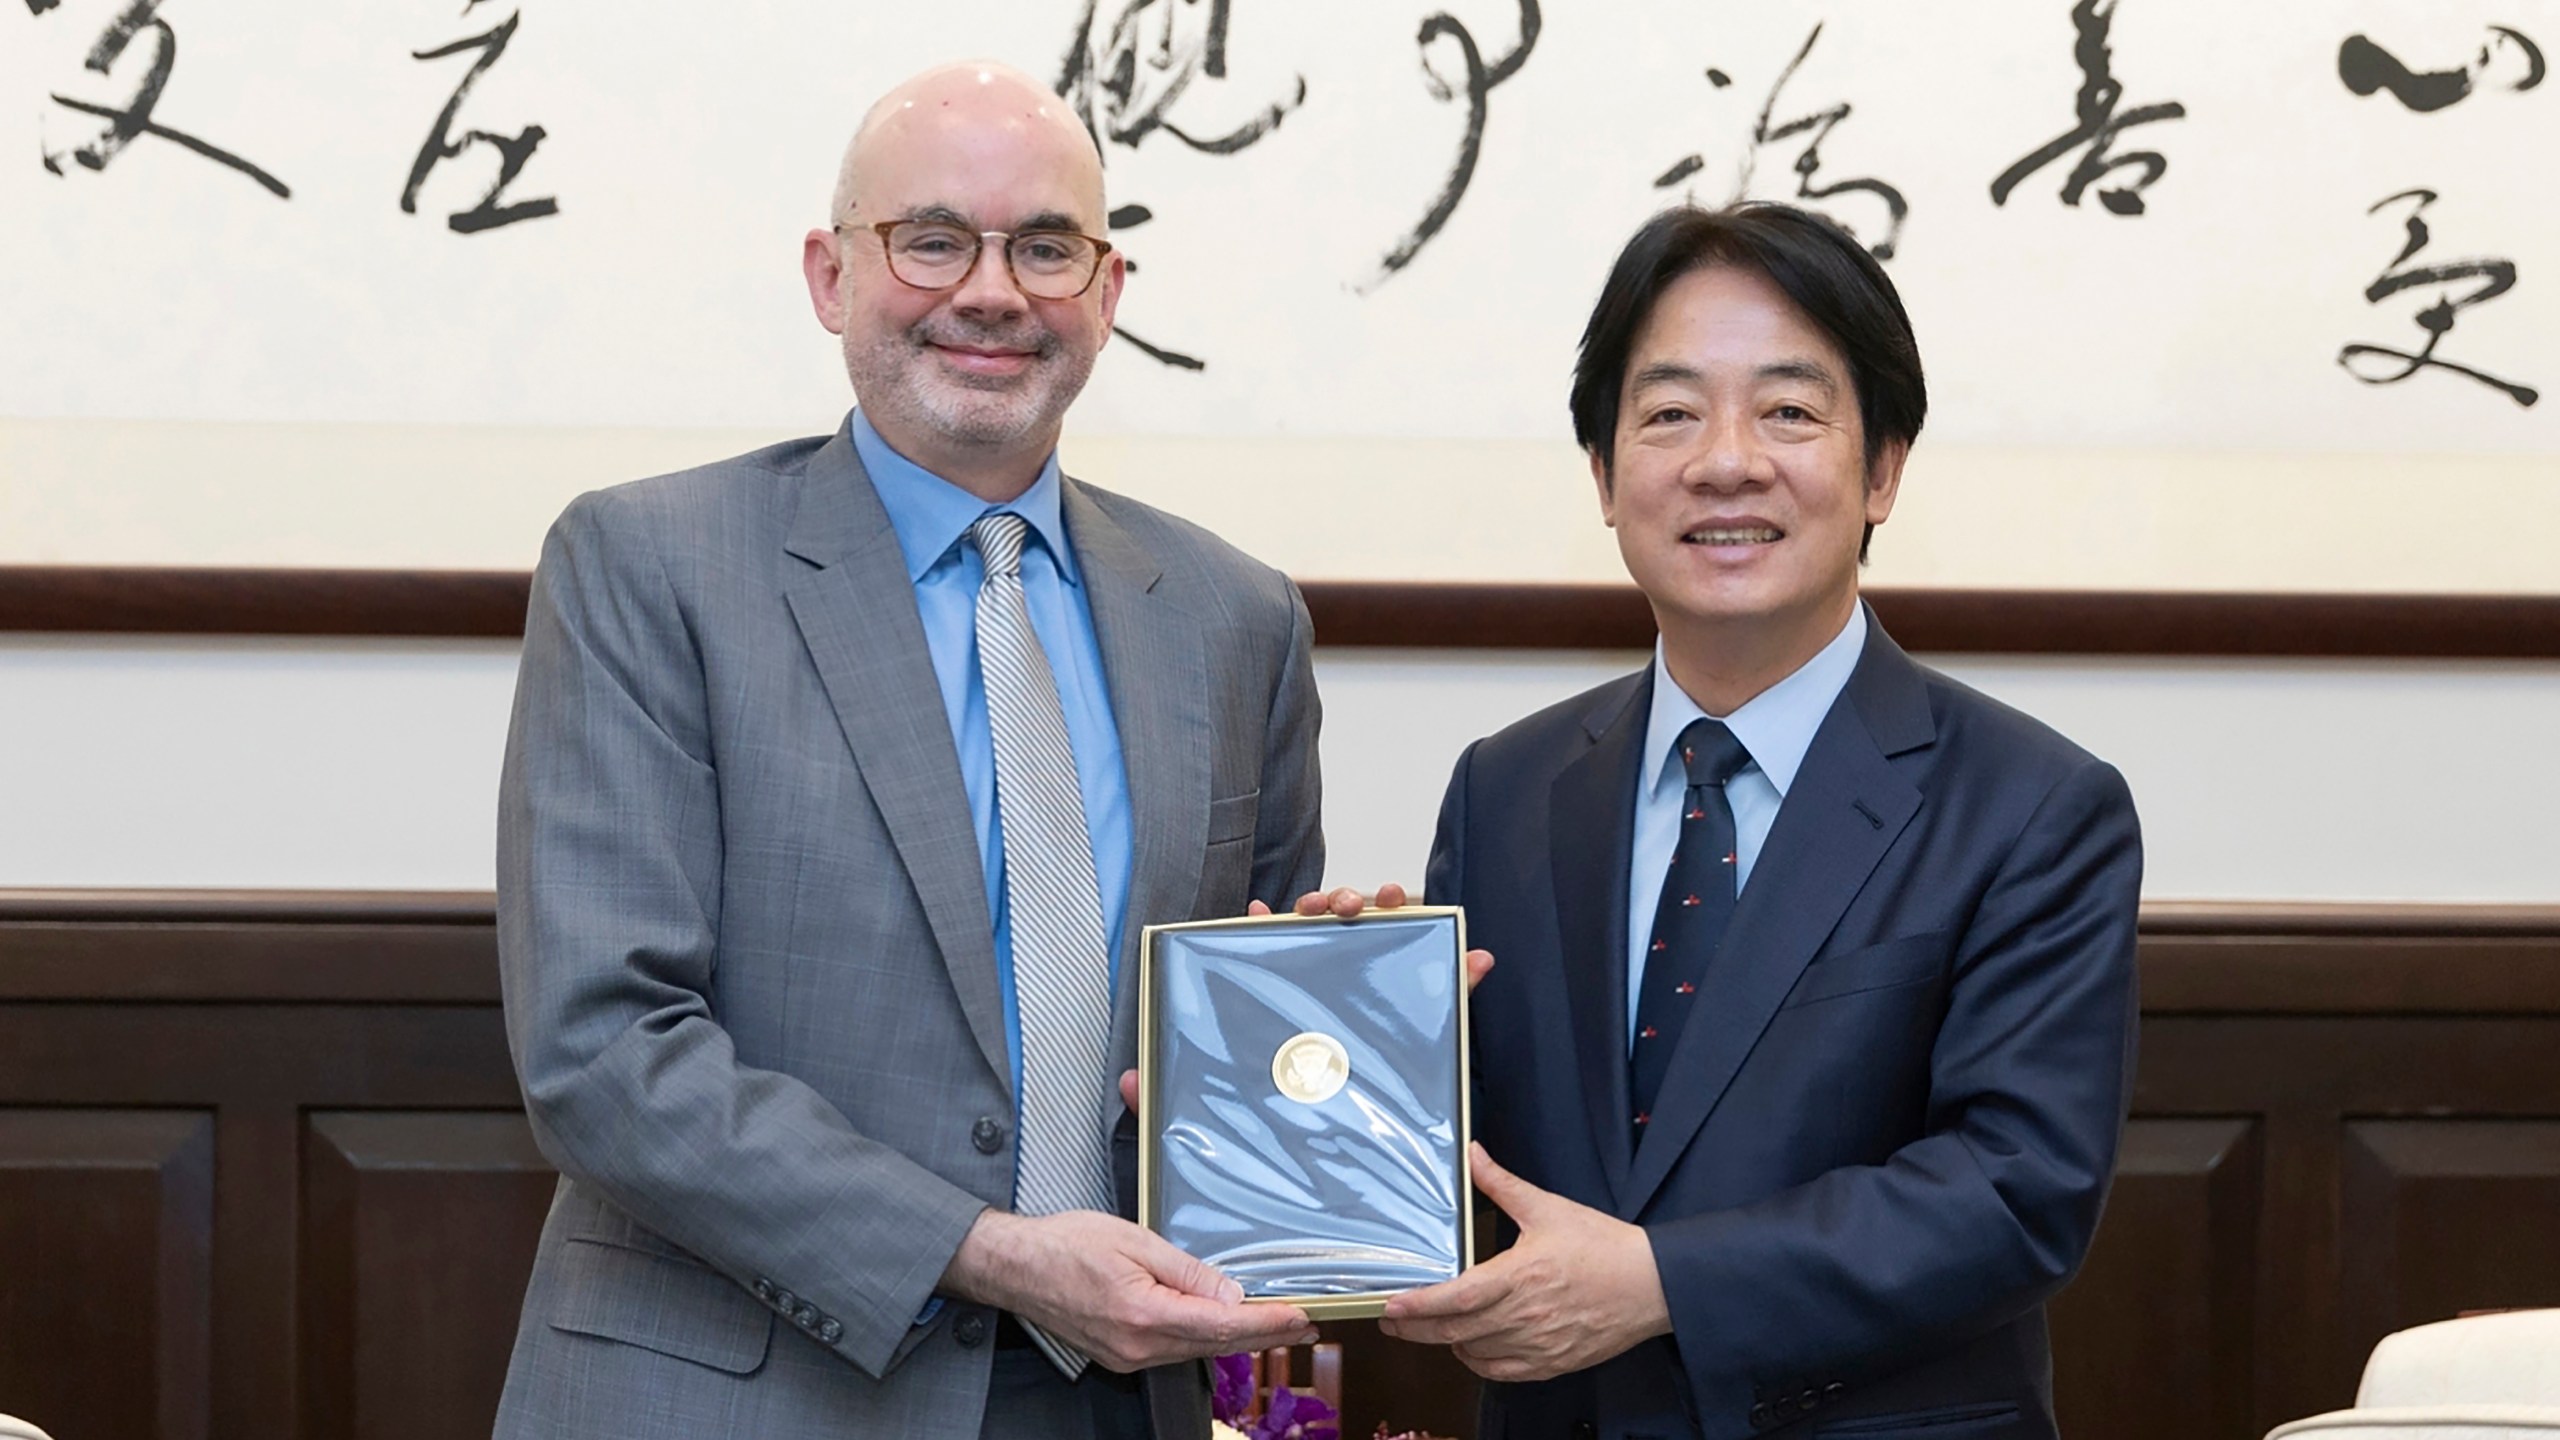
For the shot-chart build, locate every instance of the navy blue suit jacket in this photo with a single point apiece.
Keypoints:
(1888, 1127)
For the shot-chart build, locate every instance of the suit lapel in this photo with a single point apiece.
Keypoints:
(1591, 810)
(1153, 657)
(1845, 810)
(856, 610)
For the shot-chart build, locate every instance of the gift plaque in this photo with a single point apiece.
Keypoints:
(1302, 1102)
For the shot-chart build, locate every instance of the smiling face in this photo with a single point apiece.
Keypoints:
(972, 382)
(1740, 488)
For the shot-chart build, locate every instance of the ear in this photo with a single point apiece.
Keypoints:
(822, 266)
(1600, 481)
(1114, 278)
(1884, 479)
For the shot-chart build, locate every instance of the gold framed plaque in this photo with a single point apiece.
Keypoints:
(1303, 1111)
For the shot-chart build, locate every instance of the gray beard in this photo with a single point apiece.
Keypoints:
(993, 415)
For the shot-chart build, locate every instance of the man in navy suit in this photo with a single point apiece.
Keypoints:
(1812, 1036)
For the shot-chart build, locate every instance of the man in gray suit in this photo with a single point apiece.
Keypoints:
(796, 735)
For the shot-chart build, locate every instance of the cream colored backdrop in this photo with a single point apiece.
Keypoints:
(2144, 401)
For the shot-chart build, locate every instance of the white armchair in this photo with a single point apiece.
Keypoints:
(13, 1428)
(2483, 1377)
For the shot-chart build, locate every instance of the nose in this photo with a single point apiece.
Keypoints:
(988, 291)
(1729, 455)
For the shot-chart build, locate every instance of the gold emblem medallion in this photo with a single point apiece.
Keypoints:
(1310, 1067)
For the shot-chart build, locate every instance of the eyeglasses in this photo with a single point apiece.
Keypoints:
(1045, 264)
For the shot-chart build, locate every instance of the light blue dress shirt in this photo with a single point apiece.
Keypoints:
(1776, 726)
(932, 517)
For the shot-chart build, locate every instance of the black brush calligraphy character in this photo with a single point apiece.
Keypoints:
(1127, 86)
(1808, 162)
(2536, 69)
(2367, 69)
(1127, 79)
(1480, 81)
(2099, 125)
(2494, 277)
(513, 150)
(137, 117)
(1689, 165)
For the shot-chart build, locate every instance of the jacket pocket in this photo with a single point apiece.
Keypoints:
(1233, 818)
(661, 1303)
(1906, 961)
(1951, 1422)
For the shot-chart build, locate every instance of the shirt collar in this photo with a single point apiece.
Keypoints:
(930, 514)
(1776, 725)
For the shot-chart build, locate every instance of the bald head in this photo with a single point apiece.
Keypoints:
(969, 375)
(961, 110)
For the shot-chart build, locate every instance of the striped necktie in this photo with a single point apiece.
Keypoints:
(1061, 969)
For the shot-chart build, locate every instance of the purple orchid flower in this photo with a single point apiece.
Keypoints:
(1231, 1390)
(1293, 1416)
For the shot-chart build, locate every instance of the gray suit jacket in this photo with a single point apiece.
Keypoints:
(750, 976)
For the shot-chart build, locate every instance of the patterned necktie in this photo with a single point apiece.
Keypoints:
(1061, 971)
(1688, 921)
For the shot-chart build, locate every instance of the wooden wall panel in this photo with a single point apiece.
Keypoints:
(2439, 1216)
(258, 1067)
(1411, 1387)
(417, 1232)
(2168, 1278)
(106, 1249)
(2346, 1121)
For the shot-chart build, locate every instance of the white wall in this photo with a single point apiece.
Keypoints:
(328, 764)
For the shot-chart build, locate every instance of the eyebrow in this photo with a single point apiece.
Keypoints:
(1664, 372)
(1674, 372)
(945, 215)
(1808, 371)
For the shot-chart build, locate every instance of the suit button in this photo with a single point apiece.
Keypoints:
(829, 1331)
(970, 1330)
(1832, 1393)
(1783, 1408)
(1809, 1401)
(806, 1317)
(764, 1290)
(785, 1301)
(987, 1135)
(1759, 1417)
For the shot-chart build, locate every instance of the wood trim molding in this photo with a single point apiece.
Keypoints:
(249, 946)
(147, 599)
(2281, 919)
(488, 604)
(436, 947)
(2225, 919)
(1936, 621)
(249, 907)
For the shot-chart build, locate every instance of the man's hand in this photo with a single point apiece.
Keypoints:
(1579, 1288)
(1118, 1293)
(1345, 902)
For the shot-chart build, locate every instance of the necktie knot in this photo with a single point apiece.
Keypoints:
(1710, 753)
(999, 535)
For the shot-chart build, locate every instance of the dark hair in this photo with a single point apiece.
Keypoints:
(1825, 271)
